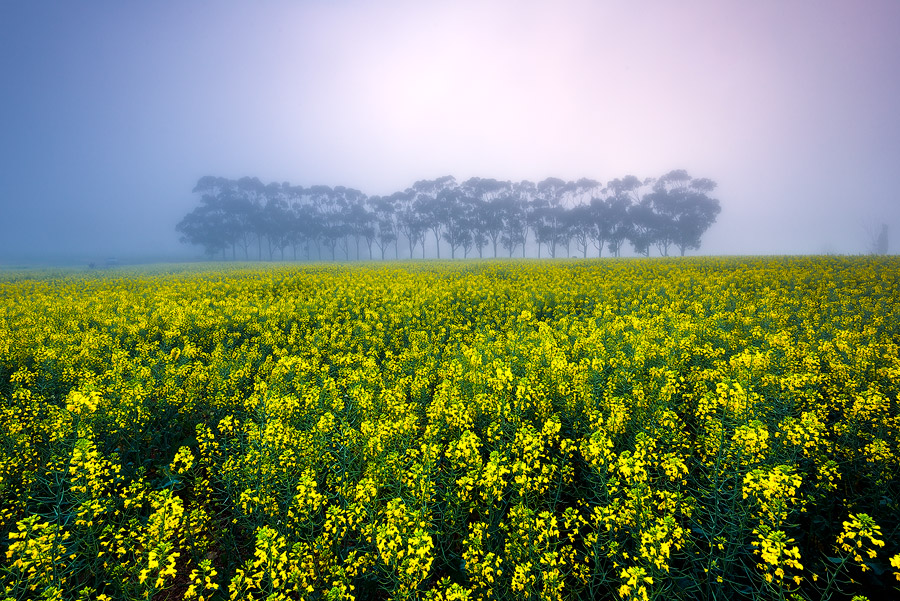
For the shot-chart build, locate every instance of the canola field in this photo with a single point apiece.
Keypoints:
(609, 429)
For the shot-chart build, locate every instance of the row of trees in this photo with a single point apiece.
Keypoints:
(245, 218)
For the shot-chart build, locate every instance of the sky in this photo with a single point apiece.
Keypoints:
(111, 111)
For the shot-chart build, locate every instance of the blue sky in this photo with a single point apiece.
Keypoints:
(110, 111)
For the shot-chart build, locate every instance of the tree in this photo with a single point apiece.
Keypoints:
(206, 226)
(881, 244)
(514, 226)
(491, 218)
(627, 188)
(582, 191)
(397, 200)
(486, 223)
(878, 243)
(386, 226)
(370, 231)
(619, 223)
(230, 208)
(478, 213)
(456, 215)
(342, 217)
(548, 223)
(599, 218)
(684, 209)
(329, 205)
(430, 208)
(698, 214)
(623, 194)
(643, 227)
(359, 220)
(516, 210)
(579, 222)
(276, 222)
(412, 225)
(308, 222)
(384, 235)
(246, 200)
(315, 223)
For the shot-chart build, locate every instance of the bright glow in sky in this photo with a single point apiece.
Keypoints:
(111, 111)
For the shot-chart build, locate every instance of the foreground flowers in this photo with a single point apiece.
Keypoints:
(499, 430)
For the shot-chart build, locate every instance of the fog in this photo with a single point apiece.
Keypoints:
(112, 111)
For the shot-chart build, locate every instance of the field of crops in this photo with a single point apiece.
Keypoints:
(607, 429)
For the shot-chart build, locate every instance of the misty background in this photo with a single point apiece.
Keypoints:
(111, 112)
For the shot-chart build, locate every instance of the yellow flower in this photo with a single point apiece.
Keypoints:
(860, 535)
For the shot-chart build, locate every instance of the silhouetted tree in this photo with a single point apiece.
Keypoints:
(386, 222)
(455, 216)
(619, 223)
(878, 243)
(579, 221)
(598, 216)
(207, 226)
(548, 220)
(517, 216)
(492, 217)
(642, 227)
(881, 245)
(341, 218)
(486, 221)
(684, 208)
(359, 219)
(430, 208)
(412, 225)
(582, 191)
(477, 213)
(275, 220)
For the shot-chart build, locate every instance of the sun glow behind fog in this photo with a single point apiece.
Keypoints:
(112, 115)
(538, 91)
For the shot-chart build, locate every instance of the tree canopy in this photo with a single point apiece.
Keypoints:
(245, 218)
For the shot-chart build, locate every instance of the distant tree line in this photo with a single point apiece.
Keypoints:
(244, 218)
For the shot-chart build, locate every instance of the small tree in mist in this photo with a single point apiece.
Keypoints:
(210, 227)
(878, 240)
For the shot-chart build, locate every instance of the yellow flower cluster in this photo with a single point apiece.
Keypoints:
(774, 547)
(404, 544)
(37, 550)
(860, 536)
(774, 491)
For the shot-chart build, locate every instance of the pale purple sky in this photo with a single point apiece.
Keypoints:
(111, 111)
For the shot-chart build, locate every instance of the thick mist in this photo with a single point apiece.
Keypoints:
(112, 112)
